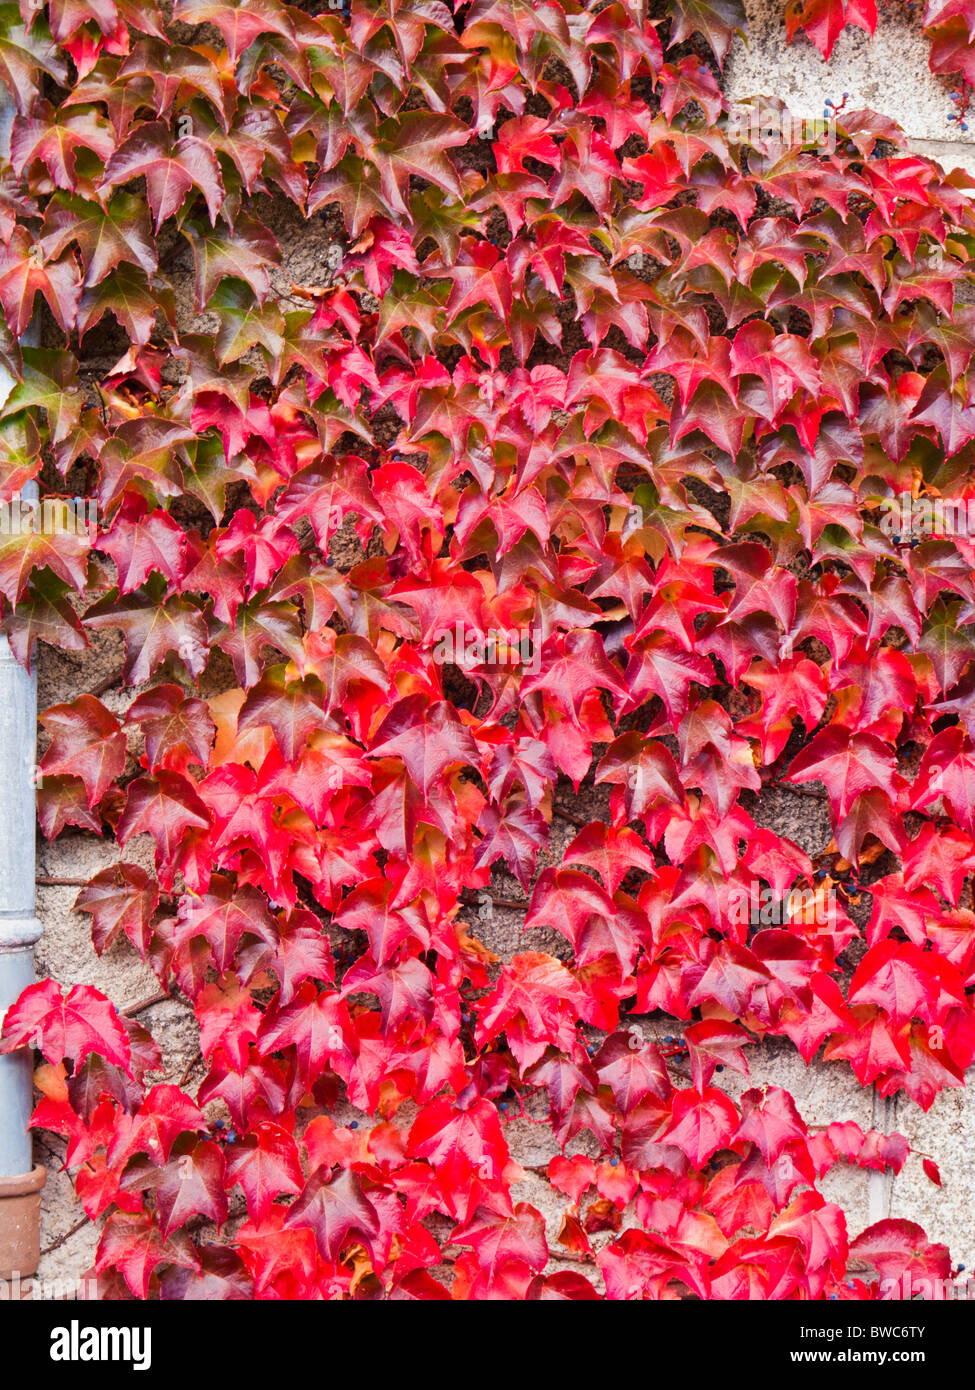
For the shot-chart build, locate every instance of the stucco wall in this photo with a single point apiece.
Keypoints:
(890, 74)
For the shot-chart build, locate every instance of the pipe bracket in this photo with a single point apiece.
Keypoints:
(20, 1223)
(19, 933)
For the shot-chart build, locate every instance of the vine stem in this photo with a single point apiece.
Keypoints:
(189, 1069)
(471, 896)
(132, 1009)
(105, 685)
(56, 1245)
(800, 791)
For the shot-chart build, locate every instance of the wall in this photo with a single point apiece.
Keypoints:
(889, 73)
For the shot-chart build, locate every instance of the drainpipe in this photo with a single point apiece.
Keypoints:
(20, 1180)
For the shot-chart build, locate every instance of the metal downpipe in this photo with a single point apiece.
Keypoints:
(20, 1181)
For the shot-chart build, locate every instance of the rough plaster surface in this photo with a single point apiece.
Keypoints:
(947, 1133)
(889, 74)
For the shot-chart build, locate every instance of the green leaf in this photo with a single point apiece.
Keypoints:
(49, 382)
(246, 253)
(244, 323)
(24, 55)
(104, 236)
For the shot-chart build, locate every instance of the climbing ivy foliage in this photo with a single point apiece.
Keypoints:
(949, 26)
(529, 549)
